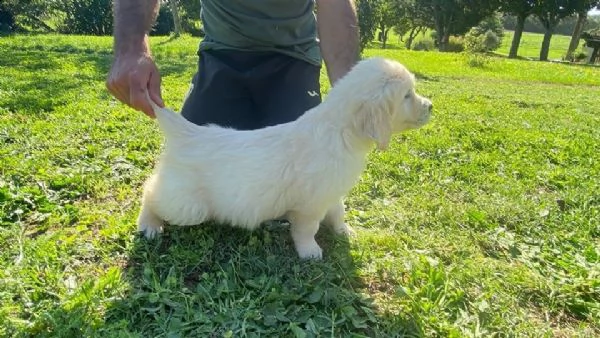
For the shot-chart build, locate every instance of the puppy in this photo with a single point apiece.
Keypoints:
(298, 171)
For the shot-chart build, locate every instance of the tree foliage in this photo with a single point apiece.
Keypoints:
(414, 20)
(92, 17)
(22, 14)
(486, 36)
(455, 17)
(366, 12)
(388, 13)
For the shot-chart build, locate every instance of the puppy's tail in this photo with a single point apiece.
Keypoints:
(172, 124)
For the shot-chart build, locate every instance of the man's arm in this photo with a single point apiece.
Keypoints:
(338, 32)
(133, 72)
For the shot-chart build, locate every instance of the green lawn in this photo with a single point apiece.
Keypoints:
(484, 223)
(531, 44)
(529, 47)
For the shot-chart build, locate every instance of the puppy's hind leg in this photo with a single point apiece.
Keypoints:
(148, 222)
(335, 219)
(303, 229)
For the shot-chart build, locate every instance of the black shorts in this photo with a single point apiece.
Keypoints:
(251, 90)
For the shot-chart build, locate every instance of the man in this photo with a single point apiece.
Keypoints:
(259, 62)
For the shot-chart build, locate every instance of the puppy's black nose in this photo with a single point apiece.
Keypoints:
(430, 107)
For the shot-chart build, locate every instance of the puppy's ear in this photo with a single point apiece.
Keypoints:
(376, 124)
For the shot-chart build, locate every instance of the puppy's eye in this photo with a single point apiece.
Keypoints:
(408, 95)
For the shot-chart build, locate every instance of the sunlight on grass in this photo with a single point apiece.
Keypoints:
(485, 222)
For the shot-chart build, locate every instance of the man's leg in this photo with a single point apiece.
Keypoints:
(285, 89)
(219, 95)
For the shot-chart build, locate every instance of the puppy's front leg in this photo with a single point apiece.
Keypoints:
(149, 223)
(335, 219)
(303, 229)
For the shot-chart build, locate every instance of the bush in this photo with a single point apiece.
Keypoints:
(456, 44)
(365, 10)
(7, 20)
(425, 45)
(164, 22)
(580, 56)
(476, 42)
(485, 37)
(87, 17)
(492, 23)
(476, 60)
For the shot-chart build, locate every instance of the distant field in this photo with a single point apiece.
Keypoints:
(529, 47)
(532, 42)
(485, 223)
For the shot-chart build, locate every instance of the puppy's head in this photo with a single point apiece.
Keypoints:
(386, 99)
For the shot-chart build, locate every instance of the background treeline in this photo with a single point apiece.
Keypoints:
(452, 25)
(90, 17)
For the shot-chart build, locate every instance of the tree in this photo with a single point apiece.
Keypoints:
(584, 7)
(7, 19)
(455, 17)
(549, 13)
(522, 9)
(388, 13)
(16, 14)
(366, 13)
(190, 16)
(86, 16)
(413, 21)
(173, 5)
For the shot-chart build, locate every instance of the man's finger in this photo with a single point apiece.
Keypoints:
(138, 96)
(154, 89)
(116, 91)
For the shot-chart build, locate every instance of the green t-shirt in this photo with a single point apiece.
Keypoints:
(285, 26)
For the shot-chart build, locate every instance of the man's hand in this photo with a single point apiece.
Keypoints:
(131, 77)
(134, 74)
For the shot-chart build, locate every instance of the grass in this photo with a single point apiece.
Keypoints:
(484, 223)
(529, 47)
(531, 43)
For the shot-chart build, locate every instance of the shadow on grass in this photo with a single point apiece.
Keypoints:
(43, 84)
(536, 59)
(215, 281)
(169, 40)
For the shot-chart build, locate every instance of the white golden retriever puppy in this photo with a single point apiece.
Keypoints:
(298, 171)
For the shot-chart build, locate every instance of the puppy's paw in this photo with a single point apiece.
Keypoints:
(309, 250)
(150, 231)
(150, 226)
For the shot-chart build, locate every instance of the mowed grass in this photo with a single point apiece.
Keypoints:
(531, 43)
(529, 48)
(484, 223)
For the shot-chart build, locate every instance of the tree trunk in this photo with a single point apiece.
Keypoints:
(581, 19)
(384, 38)
(516, 41)
(176, 19)
(444, 41)
(443, 31)
(546, 44)
(411, 36)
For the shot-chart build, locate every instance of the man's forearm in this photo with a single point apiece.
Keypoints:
(338, 32)
(132, 22)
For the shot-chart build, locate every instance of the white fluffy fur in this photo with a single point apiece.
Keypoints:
(297, 171)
